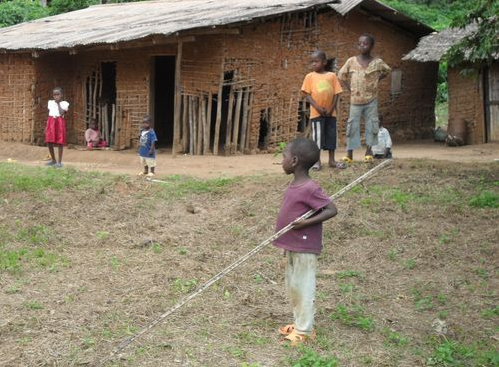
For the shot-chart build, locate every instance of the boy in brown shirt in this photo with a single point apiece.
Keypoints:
(361, 75)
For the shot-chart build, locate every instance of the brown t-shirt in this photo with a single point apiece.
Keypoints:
(363, 81)
(322, 87)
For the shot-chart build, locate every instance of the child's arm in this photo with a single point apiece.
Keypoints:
(310, 100)
(335, 103)
(152, 149)
(326, 213)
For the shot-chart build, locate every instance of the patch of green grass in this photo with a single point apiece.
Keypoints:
(247, 337)
(184, 285)
(156, 248)
(33, 305)
(310, 358)
(13, 260)
(482, 273)
(176, 186)
(348, 274)
(254, 364)
(353, 316)
(485, 199)
(102, 235)
(451, 353)
(34, 235)
(410, 264)
(346, 287)
(401, 198)
(236, 352)
(257, 278)
(16, 177)
(392, 338)
(182, 251)
(392, 254)
(114, 262)
(490, 313)
(423, 301)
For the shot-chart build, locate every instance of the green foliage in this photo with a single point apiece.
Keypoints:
(353, 316)
(485, 199)
(481, 46)
(184, 285)
(64, 6)
(310, 358)
(17, 11)
(348, 274)
(450, 353)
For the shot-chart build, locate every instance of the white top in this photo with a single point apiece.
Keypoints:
(54, 110)
(384, 141)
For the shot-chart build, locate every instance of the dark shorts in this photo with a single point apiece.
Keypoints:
(324, 132)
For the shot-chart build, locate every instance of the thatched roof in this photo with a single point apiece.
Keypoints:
(434, 46)
(123, 22)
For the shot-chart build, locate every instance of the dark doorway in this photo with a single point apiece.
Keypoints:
(108, 102)
(163, 97)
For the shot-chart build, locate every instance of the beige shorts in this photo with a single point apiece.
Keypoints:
(149, 162)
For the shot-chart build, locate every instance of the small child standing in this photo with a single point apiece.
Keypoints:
(321, 89)
(55, 130)
(303, 243)
(93, 137)
(147, 147)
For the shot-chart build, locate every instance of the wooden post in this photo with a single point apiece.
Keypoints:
(245, 120)
(177, 99)
(237, 121)
(229, 122)
(195, 123)
(219, 113)
(250, 114)
(201, 112)
(185, 123)
(207, 127)
(191, 125)
(113, 125)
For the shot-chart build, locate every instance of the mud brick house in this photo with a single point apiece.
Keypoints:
(473, 98)
(217, 76)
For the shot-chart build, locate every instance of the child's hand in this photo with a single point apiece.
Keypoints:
(151, 153)
(322, 111)
(299, 224)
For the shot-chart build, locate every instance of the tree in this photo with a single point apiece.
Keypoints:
(17, 11)
(481, 47)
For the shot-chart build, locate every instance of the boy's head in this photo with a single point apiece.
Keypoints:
(318, 61)
(300, 153)
(93, 124)
(146, 123)
(366, 43)
(57, 94)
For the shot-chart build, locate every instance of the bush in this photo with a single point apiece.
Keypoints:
(17, 11)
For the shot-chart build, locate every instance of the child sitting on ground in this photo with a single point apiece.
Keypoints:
(303, 243)
(384, 147)
(147, 149)
(93, 137)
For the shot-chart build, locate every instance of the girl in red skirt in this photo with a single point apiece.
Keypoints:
(55, 131)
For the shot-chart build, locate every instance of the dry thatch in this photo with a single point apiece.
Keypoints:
(123, 22)
(434, 46)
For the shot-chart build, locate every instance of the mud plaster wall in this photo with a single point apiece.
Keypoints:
(71, 72)
(275, 63)
(466, 102)
(264, 57)
(17, 77)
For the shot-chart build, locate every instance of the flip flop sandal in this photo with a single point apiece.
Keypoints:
(347, 160)
(316, 168)
(286, 330)
(294, 339)
(340, 165)
(368, 159)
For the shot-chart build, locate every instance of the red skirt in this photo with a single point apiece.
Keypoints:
(55, 131)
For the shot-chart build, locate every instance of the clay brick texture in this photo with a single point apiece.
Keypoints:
(254, 75)
(466, 103)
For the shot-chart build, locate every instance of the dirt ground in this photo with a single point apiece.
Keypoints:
(409, 263)
(242, 165)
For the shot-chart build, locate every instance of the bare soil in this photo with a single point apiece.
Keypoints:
(406, 247)
(240, 165)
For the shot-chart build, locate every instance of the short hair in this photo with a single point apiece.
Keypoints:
(306, 150)
(147, 118)
(320, 54)
(58, 89)
(369, 36)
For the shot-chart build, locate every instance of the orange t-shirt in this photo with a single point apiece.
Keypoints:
(322, 88)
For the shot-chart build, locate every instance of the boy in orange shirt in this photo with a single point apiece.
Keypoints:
(321, 89)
